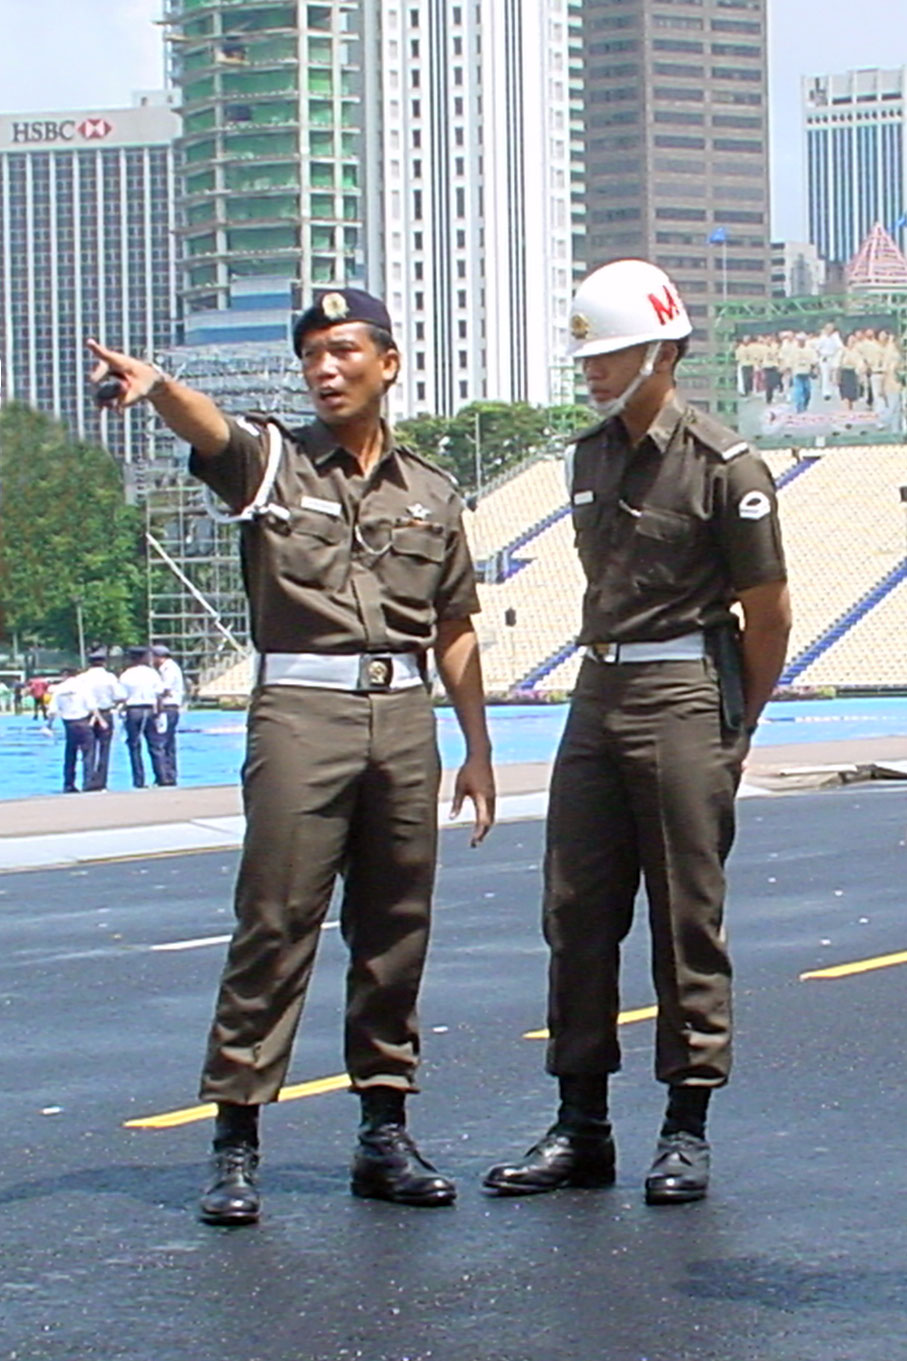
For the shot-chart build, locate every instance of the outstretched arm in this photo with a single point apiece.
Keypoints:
(189, 414)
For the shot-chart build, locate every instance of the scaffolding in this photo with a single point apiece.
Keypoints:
(196, 600)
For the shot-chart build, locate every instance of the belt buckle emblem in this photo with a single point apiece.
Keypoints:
(375, 672)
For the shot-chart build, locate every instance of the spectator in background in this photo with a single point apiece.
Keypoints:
(851, 367)
(104, 692)
(143, 693)
(70, 699)
(172, 702)
(828, 347)
(803, 362)
(38, 688)
(771, 372)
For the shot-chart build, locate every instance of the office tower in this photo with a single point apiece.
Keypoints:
(86, 219)
(856, 158)
(476, 213)
(676, 144)
(798, 270)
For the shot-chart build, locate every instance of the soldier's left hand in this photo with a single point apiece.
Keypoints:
(475, 781)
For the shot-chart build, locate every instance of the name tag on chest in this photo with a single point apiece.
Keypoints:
(326, 507)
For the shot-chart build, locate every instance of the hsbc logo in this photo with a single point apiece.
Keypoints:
(94, 129)
(49, 131)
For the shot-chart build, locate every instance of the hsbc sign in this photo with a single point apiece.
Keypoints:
(49, 131)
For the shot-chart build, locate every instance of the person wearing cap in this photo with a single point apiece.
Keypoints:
(71, 699)
(142, 694)
(676, 525)
(105, 693)
(174, 694)
(356, 568)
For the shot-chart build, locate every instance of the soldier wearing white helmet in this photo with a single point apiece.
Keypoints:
(676, 523)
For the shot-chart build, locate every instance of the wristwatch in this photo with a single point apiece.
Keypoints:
(160, 378)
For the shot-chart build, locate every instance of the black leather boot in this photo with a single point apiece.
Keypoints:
(231, 1195)
(578, 1150)
(680, 1169)
(387, 1165)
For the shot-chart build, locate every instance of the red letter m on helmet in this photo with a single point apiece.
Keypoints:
(666, 309)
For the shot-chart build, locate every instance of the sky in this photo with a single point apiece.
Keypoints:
(93, 54)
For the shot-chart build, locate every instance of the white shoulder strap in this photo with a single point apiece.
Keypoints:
(569, 460)
(259, 505)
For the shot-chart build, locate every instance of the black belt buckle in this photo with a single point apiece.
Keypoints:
(376, 671)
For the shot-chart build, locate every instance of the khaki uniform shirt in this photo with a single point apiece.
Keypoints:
(361, 563)
(669, 532)
(803, 359)
(873, 355)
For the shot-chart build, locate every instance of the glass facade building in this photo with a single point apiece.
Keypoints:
(856, 158)
(86, 249)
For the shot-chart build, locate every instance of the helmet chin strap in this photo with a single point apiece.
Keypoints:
(616, 405)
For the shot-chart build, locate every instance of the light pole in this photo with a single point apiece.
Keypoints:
(477, 447)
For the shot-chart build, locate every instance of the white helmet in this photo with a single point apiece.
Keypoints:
(629, 302)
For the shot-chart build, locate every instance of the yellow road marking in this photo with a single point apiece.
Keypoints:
(860, 966)
(189, 1114)
(624, 1018)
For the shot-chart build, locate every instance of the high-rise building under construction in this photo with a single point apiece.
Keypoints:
(426, 150)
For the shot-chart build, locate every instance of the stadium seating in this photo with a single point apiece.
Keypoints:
(845, 534)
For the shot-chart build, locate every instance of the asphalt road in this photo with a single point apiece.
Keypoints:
(799, 1253)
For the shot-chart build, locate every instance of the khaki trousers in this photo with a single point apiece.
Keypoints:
(643, 785)
(334, 783)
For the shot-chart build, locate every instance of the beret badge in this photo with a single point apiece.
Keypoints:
(335, 306)
(580, 326)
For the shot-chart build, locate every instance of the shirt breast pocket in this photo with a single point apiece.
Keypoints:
(412, 566)
(312, 550)
(664, 549)
(588, 536)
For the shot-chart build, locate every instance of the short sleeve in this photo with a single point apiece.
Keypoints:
(456, 596)
(748, 525)
(236, 472)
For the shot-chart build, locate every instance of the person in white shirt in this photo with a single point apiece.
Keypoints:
(174, 695)
(143, 692)
(71, 701)
(828, 347)
(105, 693)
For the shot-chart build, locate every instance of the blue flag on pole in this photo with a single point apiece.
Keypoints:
(718, 236)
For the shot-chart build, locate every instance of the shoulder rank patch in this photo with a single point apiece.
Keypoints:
(755, 505)
(448, 476)
(715, 436)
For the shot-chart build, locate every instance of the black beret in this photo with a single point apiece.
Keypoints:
(336, 305)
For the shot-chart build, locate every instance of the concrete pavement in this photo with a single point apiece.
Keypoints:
(60, 830)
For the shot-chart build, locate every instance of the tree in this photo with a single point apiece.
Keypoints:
(68, 541)
(484, 439)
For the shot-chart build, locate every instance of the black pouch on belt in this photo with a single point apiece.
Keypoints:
(723, 646)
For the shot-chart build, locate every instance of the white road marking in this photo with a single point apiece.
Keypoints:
(201, 941)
